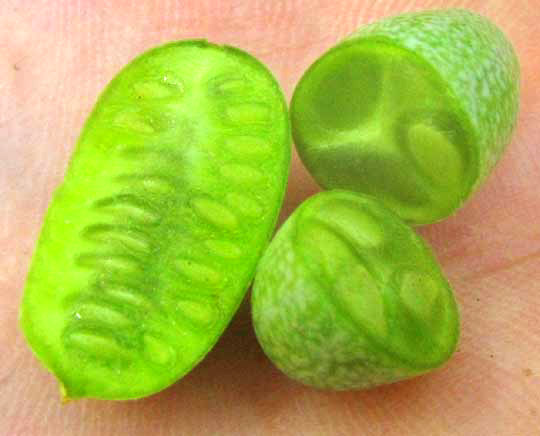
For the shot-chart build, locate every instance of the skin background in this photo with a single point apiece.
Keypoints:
(55, 58)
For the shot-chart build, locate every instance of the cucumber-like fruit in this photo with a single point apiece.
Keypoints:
(348, 296)
(414, 110)
(152, 239)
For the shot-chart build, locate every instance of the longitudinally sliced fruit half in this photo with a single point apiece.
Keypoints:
(414, 110)
(151, 241)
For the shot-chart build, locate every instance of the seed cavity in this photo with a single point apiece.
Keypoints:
(127, 237)
(227, 85)
(171, 79)
(435, 155)
(420, 293)
(241, 174)
(214, 213)
(245, 205)
(109, 262)
(359, 294)
(149, 182)
(225, 249)
(327, 249)
(248, 113)
(158, 351)
(198, 272)
(139, 151)
(202, 314)
(155, 90)
(126, 296)
(131, 206)
(134, 121)
(247, 147)
(100, 312)
(355, 223)
(96, 344)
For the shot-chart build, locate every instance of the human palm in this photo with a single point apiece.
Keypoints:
(56, 56)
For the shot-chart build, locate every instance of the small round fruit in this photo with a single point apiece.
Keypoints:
(414, 110)
(348, 296)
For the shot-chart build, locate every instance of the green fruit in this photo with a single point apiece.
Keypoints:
(152, 239)
(414, 110)
(348, 296)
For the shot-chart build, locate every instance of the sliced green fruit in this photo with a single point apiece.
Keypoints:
(348, 296)
(152, 239)
(414, 110)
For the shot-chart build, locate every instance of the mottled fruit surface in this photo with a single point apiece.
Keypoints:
(415, 110)
(348, 296)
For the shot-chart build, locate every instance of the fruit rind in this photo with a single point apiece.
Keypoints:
(314, 334)
(477, 61)
(477, 72)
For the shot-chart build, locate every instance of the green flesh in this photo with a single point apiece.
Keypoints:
(348, 296)
(388, 111)
(152, 239)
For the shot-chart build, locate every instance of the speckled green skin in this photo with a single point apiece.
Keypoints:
(347, 296)
(152, 239)
(414, 109)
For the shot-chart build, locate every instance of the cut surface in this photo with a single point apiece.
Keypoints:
(350, 291)
(374, 118)
(144, 256)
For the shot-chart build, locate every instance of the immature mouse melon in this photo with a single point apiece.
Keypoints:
(152, 239)
(348, 296)
(414, 110)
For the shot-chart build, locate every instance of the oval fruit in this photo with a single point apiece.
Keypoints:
(143, 259)
(348, 296)
(414, 110)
